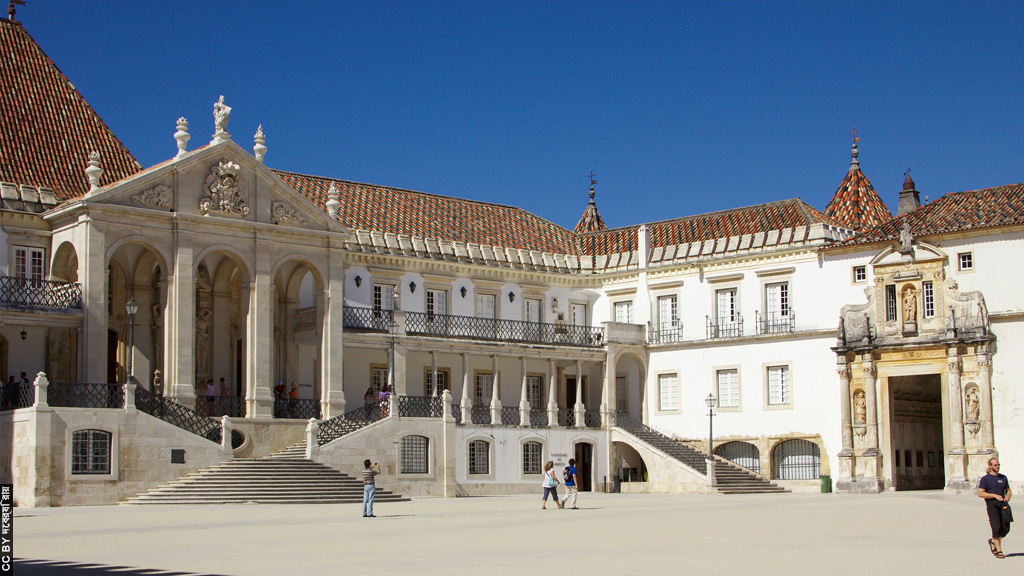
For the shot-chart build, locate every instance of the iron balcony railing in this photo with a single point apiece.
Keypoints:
(725, 327)
(676, 450)
(85, 395)
(592, 418)
(29, 293)
(300, 408)
(217, 406)
(17, 395)
(664, 334)
(539, 418)
(178, 415)
(368, 319)
(420, 407)
(351, 421)
(450, 326)
(481, 414)
(775, 323)
(510, 415)
(567, 417)
(457, 412)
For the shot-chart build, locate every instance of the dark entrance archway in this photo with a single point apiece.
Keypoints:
(916, 432)
(585, 466)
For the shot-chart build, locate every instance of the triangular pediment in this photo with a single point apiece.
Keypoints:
(218, 182)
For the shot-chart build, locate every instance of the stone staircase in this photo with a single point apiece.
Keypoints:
(285, 477)
(733, 479)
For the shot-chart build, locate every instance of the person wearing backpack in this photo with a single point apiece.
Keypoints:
(569, 474)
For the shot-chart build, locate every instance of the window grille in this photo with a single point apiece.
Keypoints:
(796, 460)
(479, 452)
(778, 385)
(778, 300)
(379, 379)
(531, 457)
(414, 453)
(929, 299)
(669, 388)
(742, 454)
(728, 388)
(890, 303)
(90, 452)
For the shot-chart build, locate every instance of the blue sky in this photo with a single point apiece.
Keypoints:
(678, 107)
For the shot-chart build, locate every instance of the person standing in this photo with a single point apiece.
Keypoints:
(223, 387)
(995, 489)
(550, 486)
(369, 487)
(293, 400)
(570, 486)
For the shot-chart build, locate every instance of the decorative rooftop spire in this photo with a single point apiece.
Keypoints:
(259, 149)
(182, 137)
(854, 163)
(94, 172)
(10, 9)
(856, 205)
(333, 202)
(591, 220)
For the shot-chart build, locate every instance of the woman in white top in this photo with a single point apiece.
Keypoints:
(550, 486)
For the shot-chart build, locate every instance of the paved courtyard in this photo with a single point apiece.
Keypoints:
(909, 533)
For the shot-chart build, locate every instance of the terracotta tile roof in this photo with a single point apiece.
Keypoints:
(735, 222)
(379, 208)
(591, 220)
(46, 128)
(954, 212)
(856, 205)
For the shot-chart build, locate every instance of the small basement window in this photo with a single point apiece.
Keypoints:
(90, 452)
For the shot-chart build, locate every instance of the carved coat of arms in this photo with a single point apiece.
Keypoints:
(223, 192)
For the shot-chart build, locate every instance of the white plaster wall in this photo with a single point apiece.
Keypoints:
(1008, 400)
(993, 275)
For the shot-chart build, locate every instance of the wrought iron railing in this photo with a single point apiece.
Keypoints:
(420, 407)
(17, 395)
(181, 416)
(300, 408)
(774, 323)
(539, 418)
(592, 418)
(481, 414)
(725, 328)
(457, 412)
(450, 326)
(217, 406)
(510, 415)
(623, 333)
(656, 439)
(664, 335)
(369, 319)
(566, 416)
(26, 292)
(305, 318)
(85, 395)
(351, 421)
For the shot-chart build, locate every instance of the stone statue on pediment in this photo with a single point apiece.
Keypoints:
(221, 115)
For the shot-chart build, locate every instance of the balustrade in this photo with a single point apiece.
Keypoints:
(85, 395)
(664, 335)
(450, 326)
(178, 415)
(774, 323)
(26, 292)
(725, 328)
(510, 415)
(368, 319)
(17, 395)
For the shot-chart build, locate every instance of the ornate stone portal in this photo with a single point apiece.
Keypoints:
(223, 192)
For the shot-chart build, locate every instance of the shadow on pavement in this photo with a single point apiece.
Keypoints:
(59, 568)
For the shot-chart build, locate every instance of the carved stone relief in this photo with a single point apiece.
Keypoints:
(158, 197)
(282, 213)
(223, 192)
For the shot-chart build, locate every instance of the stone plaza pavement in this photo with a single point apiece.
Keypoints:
(620, 534)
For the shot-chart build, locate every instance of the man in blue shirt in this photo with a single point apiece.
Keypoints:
(570, 485)
(995, 489)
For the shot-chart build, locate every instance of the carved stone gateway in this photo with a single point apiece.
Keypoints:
(223, 192)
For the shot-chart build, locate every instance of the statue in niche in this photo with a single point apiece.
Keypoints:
(221, 115)
(905, 238)
(909, 305)
(973, 409)
(860, 407)
(202, 340)
(224, 192)
(158, 383)
(950, 320)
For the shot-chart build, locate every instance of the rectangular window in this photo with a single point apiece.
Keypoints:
(485, 306)
(532, 452)
(378, 378)
(532, 310)
(668, 313)
(621, 393)
(484, 388)
(929, 299)
(725, 302)
(668, 385)
(479, 451)
(860, 273)
(890, 303)
(90, 452)
(624, 312)
(965, 261)
(383, 297)
(535, 392)
(437, 302)
(442, 381)
(777, 301)
(579, 315)
(414, 455)
(729, 388)
(29, 263)
(778, 385)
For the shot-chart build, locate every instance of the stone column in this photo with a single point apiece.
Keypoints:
(843, 369)
(179, 330)
(495, 392)
(985, 431)
(611, 398)
(433, 373)
(580, 408)
(956, 394)
(260, 341)
(400, 380)
(552, 395)
(871, 439)
(332, 383)
(93, 275)
(467, 399)
(524, 403)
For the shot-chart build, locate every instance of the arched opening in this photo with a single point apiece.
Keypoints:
(65, 263)
(742, 454)
(298, 335)
(135, 271)
(796, 460)
(222, 285)
(629, 385)
(629, 465)
(584, 455)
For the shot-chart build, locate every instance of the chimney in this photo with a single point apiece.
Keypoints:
(910, 199)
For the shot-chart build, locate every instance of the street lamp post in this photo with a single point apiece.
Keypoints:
(132, 308)
(710, 401)
(393, 330)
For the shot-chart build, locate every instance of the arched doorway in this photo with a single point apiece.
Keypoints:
(628, 465)
(298, 331)
(742, 454)
(584, 466)
(135, 271)
(222, 299)
(630, 396)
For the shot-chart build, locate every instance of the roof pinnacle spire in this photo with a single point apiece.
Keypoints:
(10, 9)
(591, 220)
(854, 163)
(592, 182)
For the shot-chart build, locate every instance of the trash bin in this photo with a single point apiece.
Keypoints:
(826, 484)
